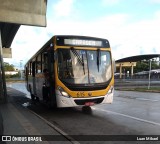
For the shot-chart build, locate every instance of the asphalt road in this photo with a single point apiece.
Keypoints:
(132, 113)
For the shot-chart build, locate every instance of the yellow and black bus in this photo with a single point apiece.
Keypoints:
(71, 71)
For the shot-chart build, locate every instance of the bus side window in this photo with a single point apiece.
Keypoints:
(33, 69)
(38, 64)
(44, 60)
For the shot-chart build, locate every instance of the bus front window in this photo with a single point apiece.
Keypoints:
(84, 66)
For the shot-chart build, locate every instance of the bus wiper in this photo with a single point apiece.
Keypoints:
(80, 60)
(83, 64)
(98, 59)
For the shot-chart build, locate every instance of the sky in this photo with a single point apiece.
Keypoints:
(131, 26)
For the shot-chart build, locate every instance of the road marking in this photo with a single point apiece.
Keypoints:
(138, 98)
(128, 116)
(147, 99)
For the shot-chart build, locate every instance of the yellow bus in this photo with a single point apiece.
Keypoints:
(70, 71)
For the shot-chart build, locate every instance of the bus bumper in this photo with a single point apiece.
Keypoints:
(63, 101)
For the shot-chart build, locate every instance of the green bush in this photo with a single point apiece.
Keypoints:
(13, 76)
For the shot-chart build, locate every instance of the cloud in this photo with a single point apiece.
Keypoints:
(127, 37)
(97, 27)
(157, 15)
(30, 39)
(63, 8)
(141, 37)
(27, 42)
(155, 1)
(110, 2)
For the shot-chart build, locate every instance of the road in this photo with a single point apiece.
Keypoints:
(136, 83)
(132, 113)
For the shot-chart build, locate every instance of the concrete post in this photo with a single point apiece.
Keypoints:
(131, 70)
(3, 90)
(120, 71)
(1, 83)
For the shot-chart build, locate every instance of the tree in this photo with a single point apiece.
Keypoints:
(144, 66)
(8, 67)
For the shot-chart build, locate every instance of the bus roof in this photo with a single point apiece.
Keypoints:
(61, 38)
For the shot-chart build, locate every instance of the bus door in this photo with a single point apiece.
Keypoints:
(45, 84)
(51, 76)
(33, 79)
(26, 78)
(48, 74)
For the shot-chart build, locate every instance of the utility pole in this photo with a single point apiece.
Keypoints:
(149, 77)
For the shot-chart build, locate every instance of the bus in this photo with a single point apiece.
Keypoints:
(70, 71)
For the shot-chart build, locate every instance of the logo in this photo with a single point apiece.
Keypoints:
(6, 138)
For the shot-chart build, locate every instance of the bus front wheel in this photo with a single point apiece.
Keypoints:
(87, 109)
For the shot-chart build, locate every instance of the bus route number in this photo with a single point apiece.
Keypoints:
(80, 94)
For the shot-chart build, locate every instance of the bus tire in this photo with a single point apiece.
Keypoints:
(87, 109)
(37, 99)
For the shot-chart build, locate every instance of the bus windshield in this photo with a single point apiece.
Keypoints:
(84, 66)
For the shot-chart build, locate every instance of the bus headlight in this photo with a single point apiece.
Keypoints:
(111, 90)
(62, 91)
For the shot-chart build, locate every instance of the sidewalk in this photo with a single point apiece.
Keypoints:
(16, 119)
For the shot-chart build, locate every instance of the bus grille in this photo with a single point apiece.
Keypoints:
(83, 101)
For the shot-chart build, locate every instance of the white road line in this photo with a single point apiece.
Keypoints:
(128, 116)
(138, 98)
(147, 99)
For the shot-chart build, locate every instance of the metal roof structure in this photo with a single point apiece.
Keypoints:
(8, 32)
(138, 58)
(14, 13)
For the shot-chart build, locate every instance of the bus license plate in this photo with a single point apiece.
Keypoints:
(89, 103)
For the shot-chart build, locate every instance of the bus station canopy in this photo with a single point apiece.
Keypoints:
(138, 58)
(131, 61)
